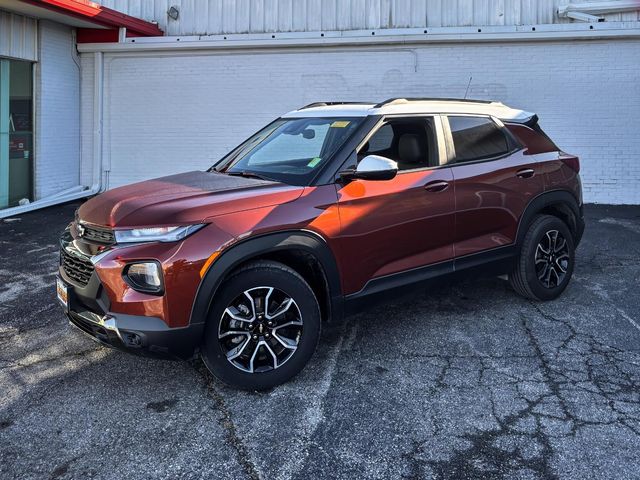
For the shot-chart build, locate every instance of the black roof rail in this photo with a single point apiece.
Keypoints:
(428, 99)
(326, 104)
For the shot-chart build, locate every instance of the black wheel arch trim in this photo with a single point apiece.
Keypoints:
(547, 199)
(253, 247)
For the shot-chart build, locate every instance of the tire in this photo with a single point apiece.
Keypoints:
(264, 354)
(538, 271)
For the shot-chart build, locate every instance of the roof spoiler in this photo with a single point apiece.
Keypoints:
(529, 121)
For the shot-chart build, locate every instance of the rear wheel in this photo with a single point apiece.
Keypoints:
(545, 263)
(263, 327)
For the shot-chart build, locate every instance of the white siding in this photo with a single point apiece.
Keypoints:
(57, 153)
(176, 112)
(17, 36)
(208, 17)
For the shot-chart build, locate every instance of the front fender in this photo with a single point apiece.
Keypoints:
(254, 247)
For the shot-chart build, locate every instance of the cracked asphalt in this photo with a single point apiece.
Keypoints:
(459, 380)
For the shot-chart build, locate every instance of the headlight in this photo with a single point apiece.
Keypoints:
(144, 277)
(159, 234)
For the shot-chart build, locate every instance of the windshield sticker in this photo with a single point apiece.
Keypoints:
(314, 162)
(340, 123)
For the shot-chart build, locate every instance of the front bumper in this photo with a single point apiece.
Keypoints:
(146, 336)
(88, 308)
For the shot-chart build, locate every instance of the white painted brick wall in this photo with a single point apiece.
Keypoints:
(57, 112)
(176, 112)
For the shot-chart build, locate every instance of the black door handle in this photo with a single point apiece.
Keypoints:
(525, 173)
(436, 186)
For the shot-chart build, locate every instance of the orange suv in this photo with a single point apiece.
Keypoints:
(326, 206)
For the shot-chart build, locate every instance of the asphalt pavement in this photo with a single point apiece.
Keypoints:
(461, 379)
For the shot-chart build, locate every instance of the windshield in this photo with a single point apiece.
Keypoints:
(290, 150)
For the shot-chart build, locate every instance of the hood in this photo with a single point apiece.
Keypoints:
(187, 198)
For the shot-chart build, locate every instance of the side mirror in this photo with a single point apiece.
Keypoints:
(372, 167)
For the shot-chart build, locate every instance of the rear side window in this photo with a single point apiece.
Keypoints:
(477, 138)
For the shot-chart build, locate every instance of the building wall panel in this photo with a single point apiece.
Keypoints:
(222, 98)
(18, 36)
(202, 17)
(329, 21)
(434, 13)
(57, 153)
(314, 15)
(373, 13)
(358, 14)
(512, 12)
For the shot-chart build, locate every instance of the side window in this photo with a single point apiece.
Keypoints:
(476, 138)
(381, 140)
(411, 142)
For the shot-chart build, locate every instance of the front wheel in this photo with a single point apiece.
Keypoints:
(263, 327)
(545, 263)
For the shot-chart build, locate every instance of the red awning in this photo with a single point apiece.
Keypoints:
(107, 21)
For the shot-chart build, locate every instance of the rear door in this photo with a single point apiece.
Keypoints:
(493, 182)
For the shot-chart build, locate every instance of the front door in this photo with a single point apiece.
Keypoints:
(392, 226)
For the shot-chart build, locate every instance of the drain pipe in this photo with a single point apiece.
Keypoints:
(593, 11)
(98, 90)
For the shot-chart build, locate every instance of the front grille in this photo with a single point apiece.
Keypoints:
(97, 235)
(76, 269)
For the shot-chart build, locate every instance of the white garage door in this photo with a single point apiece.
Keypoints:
(176, 112)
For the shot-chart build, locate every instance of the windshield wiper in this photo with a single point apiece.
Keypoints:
(246, 174)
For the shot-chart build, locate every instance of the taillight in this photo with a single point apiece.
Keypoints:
(572, 162)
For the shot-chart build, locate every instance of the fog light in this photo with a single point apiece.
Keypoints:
(132, 339)
(144, 277)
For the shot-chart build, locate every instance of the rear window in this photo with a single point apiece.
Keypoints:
(477, 138)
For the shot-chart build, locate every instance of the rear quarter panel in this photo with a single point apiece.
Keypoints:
(559, 176)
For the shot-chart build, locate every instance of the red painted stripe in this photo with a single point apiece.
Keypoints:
(100, 35)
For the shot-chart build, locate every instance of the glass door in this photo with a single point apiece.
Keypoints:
(16, 133)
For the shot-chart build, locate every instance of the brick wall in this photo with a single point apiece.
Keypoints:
(57, 112)
(176, 111)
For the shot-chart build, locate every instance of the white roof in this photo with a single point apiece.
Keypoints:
(403, 107)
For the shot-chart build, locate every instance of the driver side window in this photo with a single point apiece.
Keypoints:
(411, 142)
